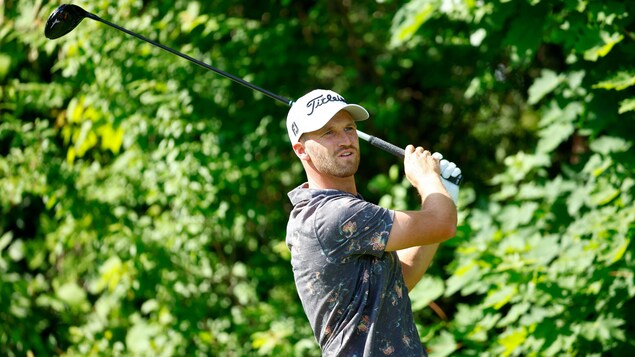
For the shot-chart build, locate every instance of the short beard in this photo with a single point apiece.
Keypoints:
(329, 165)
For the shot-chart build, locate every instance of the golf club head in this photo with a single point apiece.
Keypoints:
(63, 20)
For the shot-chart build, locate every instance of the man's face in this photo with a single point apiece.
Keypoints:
(334, 149)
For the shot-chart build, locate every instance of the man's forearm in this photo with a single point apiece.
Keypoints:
(415, 261)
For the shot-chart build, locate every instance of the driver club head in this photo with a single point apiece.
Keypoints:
(63, 20)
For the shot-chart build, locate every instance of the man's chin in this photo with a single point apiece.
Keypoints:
(347, 171)
(339, 167)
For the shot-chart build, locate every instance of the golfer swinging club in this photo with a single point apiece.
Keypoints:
(354, 262)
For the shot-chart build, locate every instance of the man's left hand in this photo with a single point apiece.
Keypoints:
(448, 169)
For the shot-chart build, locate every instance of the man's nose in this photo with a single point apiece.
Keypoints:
(345, 138)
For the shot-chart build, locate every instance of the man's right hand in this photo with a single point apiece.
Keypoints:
(422, 170)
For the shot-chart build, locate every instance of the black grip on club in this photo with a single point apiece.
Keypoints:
(399, 152)
(386, 146)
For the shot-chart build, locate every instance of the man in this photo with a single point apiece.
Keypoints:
(354, 262)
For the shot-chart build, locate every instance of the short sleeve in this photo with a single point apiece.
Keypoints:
(347, 225)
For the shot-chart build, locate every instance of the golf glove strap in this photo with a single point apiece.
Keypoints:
(449, 169)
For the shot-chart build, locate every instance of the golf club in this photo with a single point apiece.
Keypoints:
(67, 16)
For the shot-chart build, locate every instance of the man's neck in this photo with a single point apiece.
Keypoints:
(346, 184)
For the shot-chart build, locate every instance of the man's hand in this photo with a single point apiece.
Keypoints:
(448, 169)
(435, 222)
(422, 169)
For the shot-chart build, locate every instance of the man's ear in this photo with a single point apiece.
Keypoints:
(300, 151)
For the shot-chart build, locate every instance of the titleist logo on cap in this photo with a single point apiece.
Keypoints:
(321, 100)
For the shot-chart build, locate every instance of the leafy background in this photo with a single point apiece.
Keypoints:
(143, 199)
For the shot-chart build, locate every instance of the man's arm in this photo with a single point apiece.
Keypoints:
(416, 259)
(415, 262)
(436, 221)
(416, 234)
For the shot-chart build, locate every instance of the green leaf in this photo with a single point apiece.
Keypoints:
(619, 249)
(601, 50)
(515, 216)
(603, 329)
(16, 250)
(627, 105)
(5, 65)
(512, 340)
(609, 144)
(545, 84)
(139, 338)
(554, 135)
(499, 298)
(409, 18)
(111, 138)
(427, 290)
(558, 126)
(6, 238)
(442, 345)
(514, 313)
(578, 199)
(71, 294)
(604, 195)
(461, 277)
(150, 306)
(620, 81)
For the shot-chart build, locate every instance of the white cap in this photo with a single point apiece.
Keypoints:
(314, 109)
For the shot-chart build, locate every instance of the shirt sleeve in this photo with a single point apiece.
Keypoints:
(348, 225)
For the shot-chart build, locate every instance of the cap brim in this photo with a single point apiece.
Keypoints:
(358, 112)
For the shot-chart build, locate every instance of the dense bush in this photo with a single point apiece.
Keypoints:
(143, 199)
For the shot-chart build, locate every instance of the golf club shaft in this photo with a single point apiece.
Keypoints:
(395, 150)
(379, 143)
(194, 60)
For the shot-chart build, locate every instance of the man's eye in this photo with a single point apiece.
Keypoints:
(350, 128)
(327, 133)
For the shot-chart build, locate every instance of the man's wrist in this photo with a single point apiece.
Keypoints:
(429, 184)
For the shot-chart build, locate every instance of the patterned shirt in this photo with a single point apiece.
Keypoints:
(352, 290)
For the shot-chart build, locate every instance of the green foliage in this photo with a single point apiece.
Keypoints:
(548, 267)
(143, 200)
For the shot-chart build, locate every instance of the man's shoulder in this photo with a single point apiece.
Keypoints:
(325, 211)
(304, 196)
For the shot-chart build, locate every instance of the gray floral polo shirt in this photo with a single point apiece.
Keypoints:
(351, 289)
